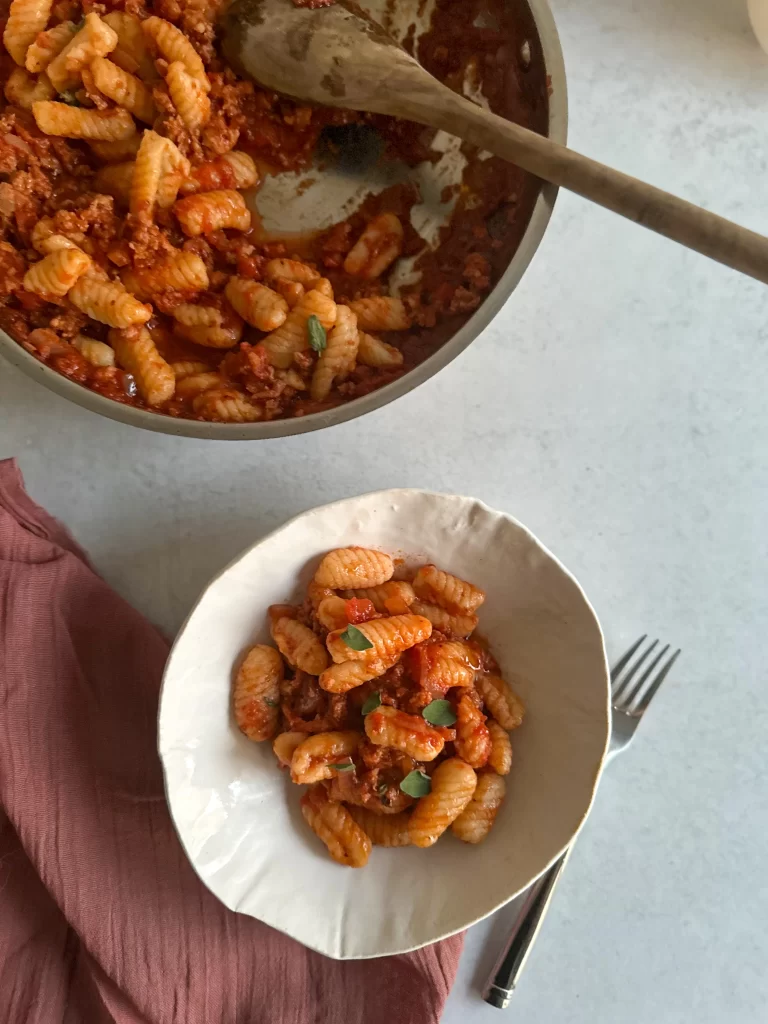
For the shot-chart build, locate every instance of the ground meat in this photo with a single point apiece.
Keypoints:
(172, 127)
(47, 343)
(477, 271)
(250, 368)
(69, 323)
(12, 269)
(92, 214)
(464, 300)
(148, 243)
(219, 135)
(168, 9)
(308, 708)
(71, 364)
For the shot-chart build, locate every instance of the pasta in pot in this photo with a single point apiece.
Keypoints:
(403, 737)
(125, 132)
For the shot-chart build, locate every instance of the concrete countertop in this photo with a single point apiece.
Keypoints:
(617, 407)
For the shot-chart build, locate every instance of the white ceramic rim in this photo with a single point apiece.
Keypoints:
(542, 211)
(384, 495)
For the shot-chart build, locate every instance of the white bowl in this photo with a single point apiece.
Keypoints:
(238, 816)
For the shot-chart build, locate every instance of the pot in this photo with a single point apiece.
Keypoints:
(464, 336)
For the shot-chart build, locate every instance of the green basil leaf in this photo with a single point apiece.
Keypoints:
(343, 767)
(271, 703)
(316, 333)
(416, 784)
(372, 703)
(439, 712)
(353, 638)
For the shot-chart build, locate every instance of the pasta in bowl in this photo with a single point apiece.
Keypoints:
(392, 712)
(528, 661)
(139, 275)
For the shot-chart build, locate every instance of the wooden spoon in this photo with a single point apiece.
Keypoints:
(337, 56)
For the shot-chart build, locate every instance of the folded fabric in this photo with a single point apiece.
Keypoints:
(101, 917)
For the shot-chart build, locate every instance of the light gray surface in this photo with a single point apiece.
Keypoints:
(618, 408)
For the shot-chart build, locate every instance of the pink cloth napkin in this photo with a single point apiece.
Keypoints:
(101, 917)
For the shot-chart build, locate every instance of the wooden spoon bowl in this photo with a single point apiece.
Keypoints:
(339, 57)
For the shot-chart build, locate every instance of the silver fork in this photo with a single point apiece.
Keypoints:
(630, 700)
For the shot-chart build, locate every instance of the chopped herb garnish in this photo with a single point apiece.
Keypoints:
(353, 638)
(439, 712)
(69, 97)
(272, 703)
(372, 703)
(316, 333)
(343, 767)
(416, 784)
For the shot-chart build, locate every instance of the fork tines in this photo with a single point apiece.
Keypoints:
(635, 697)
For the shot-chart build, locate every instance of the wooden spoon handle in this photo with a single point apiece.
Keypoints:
(690, 225)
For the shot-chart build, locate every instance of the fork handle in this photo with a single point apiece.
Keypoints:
(511, 962)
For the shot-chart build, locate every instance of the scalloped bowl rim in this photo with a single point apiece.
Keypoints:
(290, 524)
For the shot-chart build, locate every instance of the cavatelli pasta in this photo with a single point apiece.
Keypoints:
(204, 212)
(94, 39)
(108, 302)
(292, 336)
(383, 829)
(48, 45)
(26, 18)
(131, 53)
(332, 823)
(125, 89)
(403, 733)
(256, 696)
(453, 785)
(386, 637)
(98, 353)
(354, 567)
(78, 123)
(300, 646)
(257, 305)
(23, 90)
(173, 45)
(179, 272)
(381, 313)
(56, 273)
(136, 352)
(374, 352)
(501, 700)
(337, 359)
(476, 820)
(188, 95)
(226, 405)
(379, 245)
(388, 727)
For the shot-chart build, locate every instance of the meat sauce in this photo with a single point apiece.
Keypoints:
(492, 42)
